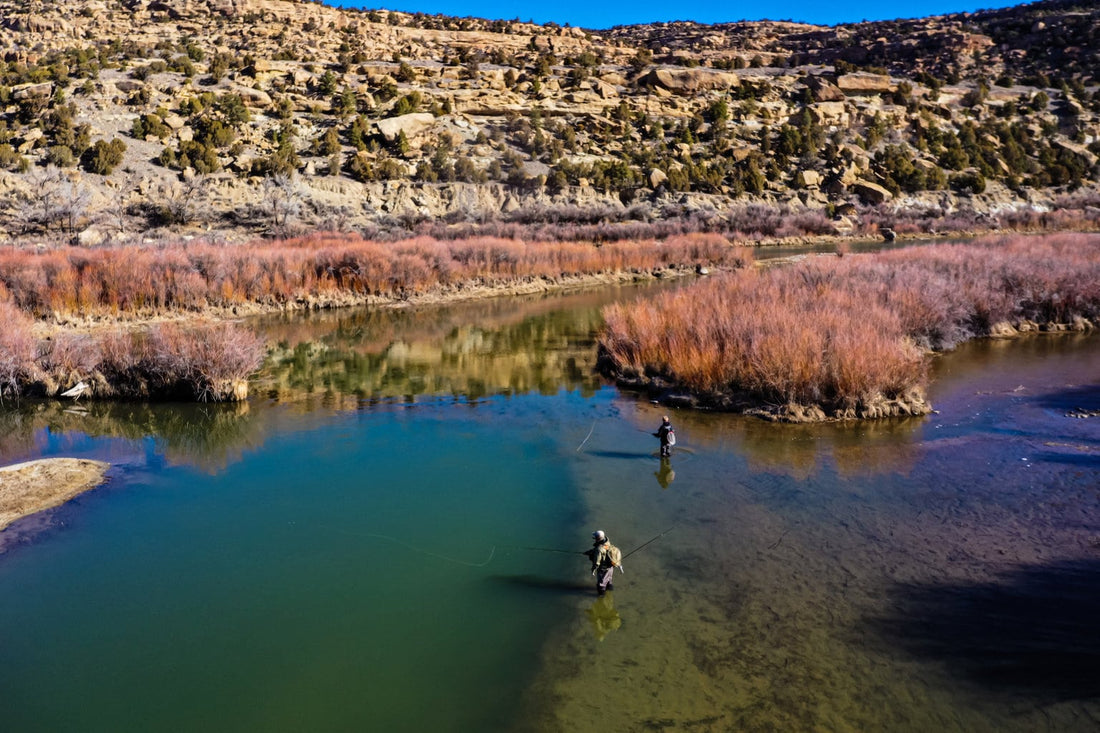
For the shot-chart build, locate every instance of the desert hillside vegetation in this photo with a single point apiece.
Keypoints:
(127, 118)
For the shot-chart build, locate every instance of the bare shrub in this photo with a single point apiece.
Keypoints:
(51, 201)
(282, 199)
(204, 361)
(175, 202)
(17, 345)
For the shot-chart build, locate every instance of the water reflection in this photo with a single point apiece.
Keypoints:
(471, 350)
(208, 436)
(603, 616)
(798, 451)
(665, 475)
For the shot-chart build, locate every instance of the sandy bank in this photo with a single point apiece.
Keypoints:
(28, 488)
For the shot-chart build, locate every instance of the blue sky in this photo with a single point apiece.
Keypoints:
(589, 14)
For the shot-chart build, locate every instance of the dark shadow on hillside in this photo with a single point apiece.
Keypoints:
(1033, 632)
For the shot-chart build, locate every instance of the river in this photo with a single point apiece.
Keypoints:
(387, 537)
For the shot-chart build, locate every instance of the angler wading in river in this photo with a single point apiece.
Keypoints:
(605, 559)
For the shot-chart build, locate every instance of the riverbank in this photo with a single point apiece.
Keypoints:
(82, 300)
(64, 307)
(847, 337)
(31, 487)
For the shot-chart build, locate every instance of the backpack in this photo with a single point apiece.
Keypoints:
(615, 556)
(671, 437)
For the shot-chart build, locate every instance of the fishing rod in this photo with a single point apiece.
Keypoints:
(650, 541)
(546, 549)
(585, 552)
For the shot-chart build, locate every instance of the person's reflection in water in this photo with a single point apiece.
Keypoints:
(603, 616)
(665, 475)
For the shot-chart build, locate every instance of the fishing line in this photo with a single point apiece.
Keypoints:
(421, 550)
(587, 436)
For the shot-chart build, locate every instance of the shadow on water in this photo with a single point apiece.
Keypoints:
(1075, 398)
(1033, 632)
(622, 454)
(540, 583)
(1081, 460)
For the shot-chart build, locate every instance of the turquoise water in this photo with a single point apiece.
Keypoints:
(340, 577)
(380, 540)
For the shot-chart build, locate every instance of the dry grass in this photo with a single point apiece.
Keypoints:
(207, 362)
(197, 275)
(16, 349)
(845, 332)
(27, 488)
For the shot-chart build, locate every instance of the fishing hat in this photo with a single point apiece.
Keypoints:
(599, 535)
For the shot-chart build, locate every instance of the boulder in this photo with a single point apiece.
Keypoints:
(863, 83)
(410, 124)
(830, 113)
(823, 90)
(29, 140)
(254, 98)
(32, 91)
(603, 89)
(127, 86)
(657, 177)
(849, 175)
(808, 179)
(533, 169)
(871, 193)
(688, 81)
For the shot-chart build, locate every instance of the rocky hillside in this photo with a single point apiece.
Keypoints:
(246, 116)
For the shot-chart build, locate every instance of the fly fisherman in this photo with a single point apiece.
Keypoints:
(666, 436)
(605, 558)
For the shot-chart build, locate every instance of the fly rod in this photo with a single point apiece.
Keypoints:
(650, 541)
(546, 549)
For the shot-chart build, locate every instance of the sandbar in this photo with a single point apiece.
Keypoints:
(28, 488)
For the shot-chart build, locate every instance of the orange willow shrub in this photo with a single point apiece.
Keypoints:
(844, 332)
(768, 335)
(201, 361)
(16, 347)
(195, 275)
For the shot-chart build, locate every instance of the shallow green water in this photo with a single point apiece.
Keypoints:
(346, 551)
